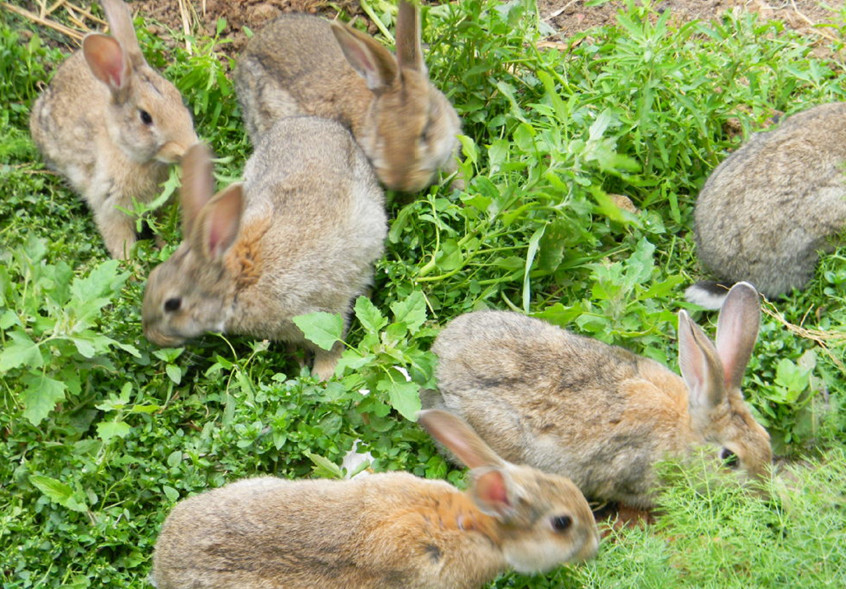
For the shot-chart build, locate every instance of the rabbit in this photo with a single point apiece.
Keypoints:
(383, 530)
(301, 64)
(300, 235)
(570, 404)
(111, 125)
(769, 208)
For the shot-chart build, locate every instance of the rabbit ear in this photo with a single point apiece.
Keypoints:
(737, 331)
(409, 47)
(219, 223)
(454, 433)
(107, 61)
(493, 490)
(700, 367)
(197, 184)
(373, 62)
(120, 25)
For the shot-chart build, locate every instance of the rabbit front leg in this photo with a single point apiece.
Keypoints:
(115, 225)
(325, 361)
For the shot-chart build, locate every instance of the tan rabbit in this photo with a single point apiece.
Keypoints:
(384, 530)
(767, 211)
(300, 235)
(300, 64)
(111, 125)
(564, 403)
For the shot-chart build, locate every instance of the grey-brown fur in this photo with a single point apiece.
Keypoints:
(90, 129)
(301, 64)
(564, 403)
(766, 211)
(378, 531)
(301, 236)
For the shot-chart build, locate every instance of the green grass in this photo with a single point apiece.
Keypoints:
(101, 433)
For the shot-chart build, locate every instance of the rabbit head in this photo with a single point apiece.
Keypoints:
(713, 372)
(411, 128)
(544, 520)
(192, 291)
(146, 117)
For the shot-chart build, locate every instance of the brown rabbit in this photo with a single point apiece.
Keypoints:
(768, 210)
(569, 404)
(300, 236)
(111, 125)
(378, 531)
(300, 64)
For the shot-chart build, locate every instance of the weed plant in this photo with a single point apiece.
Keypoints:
(101, 432)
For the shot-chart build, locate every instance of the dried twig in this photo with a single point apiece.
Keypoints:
(822, 338)
(72, 33)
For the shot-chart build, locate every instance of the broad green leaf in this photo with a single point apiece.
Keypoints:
(322, 329)
(368, 315)
(171, 493)
(113, 429)
(57, 492)
(324, 468)
(174, 373)
(411, 311)
(402, 395)
(41, 396)
(8, 318)
(22, 351)
(351, 359)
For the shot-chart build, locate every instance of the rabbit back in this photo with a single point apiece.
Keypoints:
(531, 390)
(305, 238)
(328, 220)
(769, 208)
(378, 531)
(301, 64)
(294, 66)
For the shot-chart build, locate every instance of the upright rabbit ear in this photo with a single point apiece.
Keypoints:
(220, 222)
(409, 43)
(373, 62)
(120, 25)
(197, 184)
(454, 433)
(700, 368)
(737, 331)
(107, 61)
(493, 490)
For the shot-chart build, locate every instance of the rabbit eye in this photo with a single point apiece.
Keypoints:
(561, 523)
(172, 304)
(728, 457)
(146, 117)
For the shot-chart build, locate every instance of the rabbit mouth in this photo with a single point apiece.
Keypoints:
(162, 340)
(171, 153)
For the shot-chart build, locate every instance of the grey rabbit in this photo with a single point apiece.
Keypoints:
(302, 64)
(299, 236)
(566, 403)
(382, 530)
(111, 125)
(770, 207)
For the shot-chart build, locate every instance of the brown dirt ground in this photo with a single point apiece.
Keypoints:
(817, 18)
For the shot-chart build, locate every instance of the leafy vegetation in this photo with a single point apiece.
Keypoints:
(101, 433)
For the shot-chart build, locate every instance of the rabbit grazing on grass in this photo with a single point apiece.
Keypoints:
(569, 404)
(301, 235)
(770, 207)
(111, 125)
(379, 531)
(300, 64)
